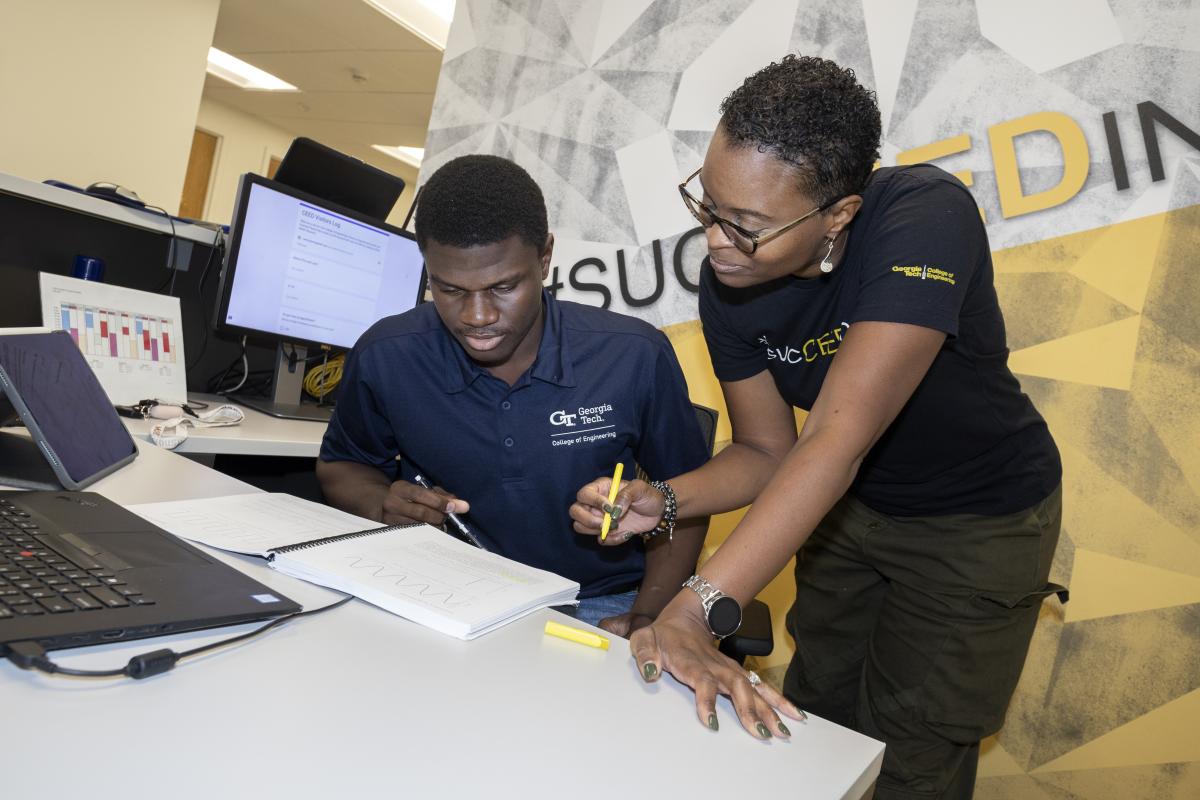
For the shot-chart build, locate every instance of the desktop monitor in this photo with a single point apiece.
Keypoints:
(314, 168)
(305, 272)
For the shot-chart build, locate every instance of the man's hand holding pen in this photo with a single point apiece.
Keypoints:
(408, 502)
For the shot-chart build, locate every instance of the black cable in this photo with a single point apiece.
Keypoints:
(170, 252)
(411, 208)
(31, 655)
(213, 386)
(246, 367)
(218, 242)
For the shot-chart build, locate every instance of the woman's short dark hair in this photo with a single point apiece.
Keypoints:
(478, 199)
(812, 114)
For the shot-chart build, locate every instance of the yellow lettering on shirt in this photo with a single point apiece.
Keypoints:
(925, 273)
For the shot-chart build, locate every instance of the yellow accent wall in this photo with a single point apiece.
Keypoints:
(1105, 337)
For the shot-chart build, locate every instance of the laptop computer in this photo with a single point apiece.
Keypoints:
(75, 436)
(78, 569)
(75, 567)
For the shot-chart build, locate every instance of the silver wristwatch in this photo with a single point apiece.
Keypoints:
(723, 613)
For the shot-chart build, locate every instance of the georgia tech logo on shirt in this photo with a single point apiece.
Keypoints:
(563, 418)
(580, 416)
(823, 345)
(925, 273)
(584, 425)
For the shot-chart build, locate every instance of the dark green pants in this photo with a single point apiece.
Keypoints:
(914, 630)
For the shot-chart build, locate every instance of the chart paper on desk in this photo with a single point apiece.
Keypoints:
(132, 340)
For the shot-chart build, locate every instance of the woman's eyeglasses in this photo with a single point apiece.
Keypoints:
(742, 239)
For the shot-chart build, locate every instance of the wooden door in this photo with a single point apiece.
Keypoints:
(199, 174)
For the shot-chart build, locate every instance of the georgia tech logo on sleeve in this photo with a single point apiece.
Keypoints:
(823, 345)
(925, 273)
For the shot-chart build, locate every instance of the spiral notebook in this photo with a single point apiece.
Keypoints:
(414, 571)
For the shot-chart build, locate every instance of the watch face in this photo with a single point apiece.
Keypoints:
(725, 616)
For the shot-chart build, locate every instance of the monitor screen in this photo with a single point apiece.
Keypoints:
(303, 270)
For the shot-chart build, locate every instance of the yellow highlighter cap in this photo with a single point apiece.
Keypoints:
(612, 498)
(576, 635)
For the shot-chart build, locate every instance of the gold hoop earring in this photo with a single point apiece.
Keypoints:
(826, 264)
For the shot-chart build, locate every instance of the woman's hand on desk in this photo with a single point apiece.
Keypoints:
(407, 502)
(638, 508)
(679, 642)
(625, 624)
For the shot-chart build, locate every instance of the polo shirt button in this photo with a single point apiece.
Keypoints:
(506, 405)
(508, 442)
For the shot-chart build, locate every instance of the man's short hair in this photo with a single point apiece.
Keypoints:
(812, 114)
(480, 199)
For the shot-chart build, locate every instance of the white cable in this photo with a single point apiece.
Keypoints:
(245, 370)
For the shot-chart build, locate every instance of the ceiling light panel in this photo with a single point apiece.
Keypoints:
(409, 155)
(427, 19)
(246, 76)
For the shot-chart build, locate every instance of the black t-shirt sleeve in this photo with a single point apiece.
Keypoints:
(926, 243)
(359, 430)
(734, 356)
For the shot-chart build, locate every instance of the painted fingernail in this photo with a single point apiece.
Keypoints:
(763, 733)
(783, 729)
(712, 722)
(616, 511)
(607, 509)
(649, 671)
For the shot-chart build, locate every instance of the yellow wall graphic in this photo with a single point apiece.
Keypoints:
(1105, 333)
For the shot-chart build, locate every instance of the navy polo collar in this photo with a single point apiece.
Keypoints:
(551, 365)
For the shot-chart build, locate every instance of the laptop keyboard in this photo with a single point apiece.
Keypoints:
(37, 579)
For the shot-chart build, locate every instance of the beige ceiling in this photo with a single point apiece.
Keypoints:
(317, 45)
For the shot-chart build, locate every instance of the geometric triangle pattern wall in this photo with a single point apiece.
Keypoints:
(610, 103)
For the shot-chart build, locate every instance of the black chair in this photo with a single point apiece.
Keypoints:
(754, 637)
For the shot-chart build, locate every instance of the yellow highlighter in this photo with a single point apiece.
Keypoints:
(576, 635)
(612, 498)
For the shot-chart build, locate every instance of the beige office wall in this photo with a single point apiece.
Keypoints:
(103, 91)
(246, 145)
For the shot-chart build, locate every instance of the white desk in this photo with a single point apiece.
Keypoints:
(358, 703)
(259, 434)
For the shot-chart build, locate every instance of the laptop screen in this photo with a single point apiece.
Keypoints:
(66, 401)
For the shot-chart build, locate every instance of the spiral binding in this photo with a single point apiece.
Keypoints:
(340, 537)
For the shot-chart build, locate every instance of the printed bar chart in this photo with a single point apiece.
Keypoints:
(119, 334)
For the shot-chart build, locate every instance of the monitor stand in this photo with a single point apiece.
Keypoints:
(289, 383)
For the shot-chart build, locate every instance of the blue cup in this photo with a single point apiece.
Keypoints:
(89, 268)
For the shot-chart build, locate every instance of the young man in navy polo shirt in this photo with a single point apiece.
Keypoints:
(512, 401)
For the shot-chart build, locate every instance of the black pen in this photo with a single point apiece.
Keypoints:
(454, 518)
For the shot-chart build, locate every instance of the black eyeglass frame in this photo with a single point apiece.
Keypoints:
(695, 207)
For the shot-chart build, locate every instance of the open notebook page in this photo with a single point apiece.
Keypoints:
(422, 574)
(251, 523)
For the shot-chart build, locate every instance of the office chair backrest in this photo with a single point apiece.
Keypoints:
(707, 417)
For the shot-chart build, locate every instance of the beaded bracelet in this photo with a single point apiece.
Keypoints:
(670, 508)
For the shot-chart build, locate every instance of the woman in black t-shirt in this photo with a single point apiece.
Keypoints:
(921, 498)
